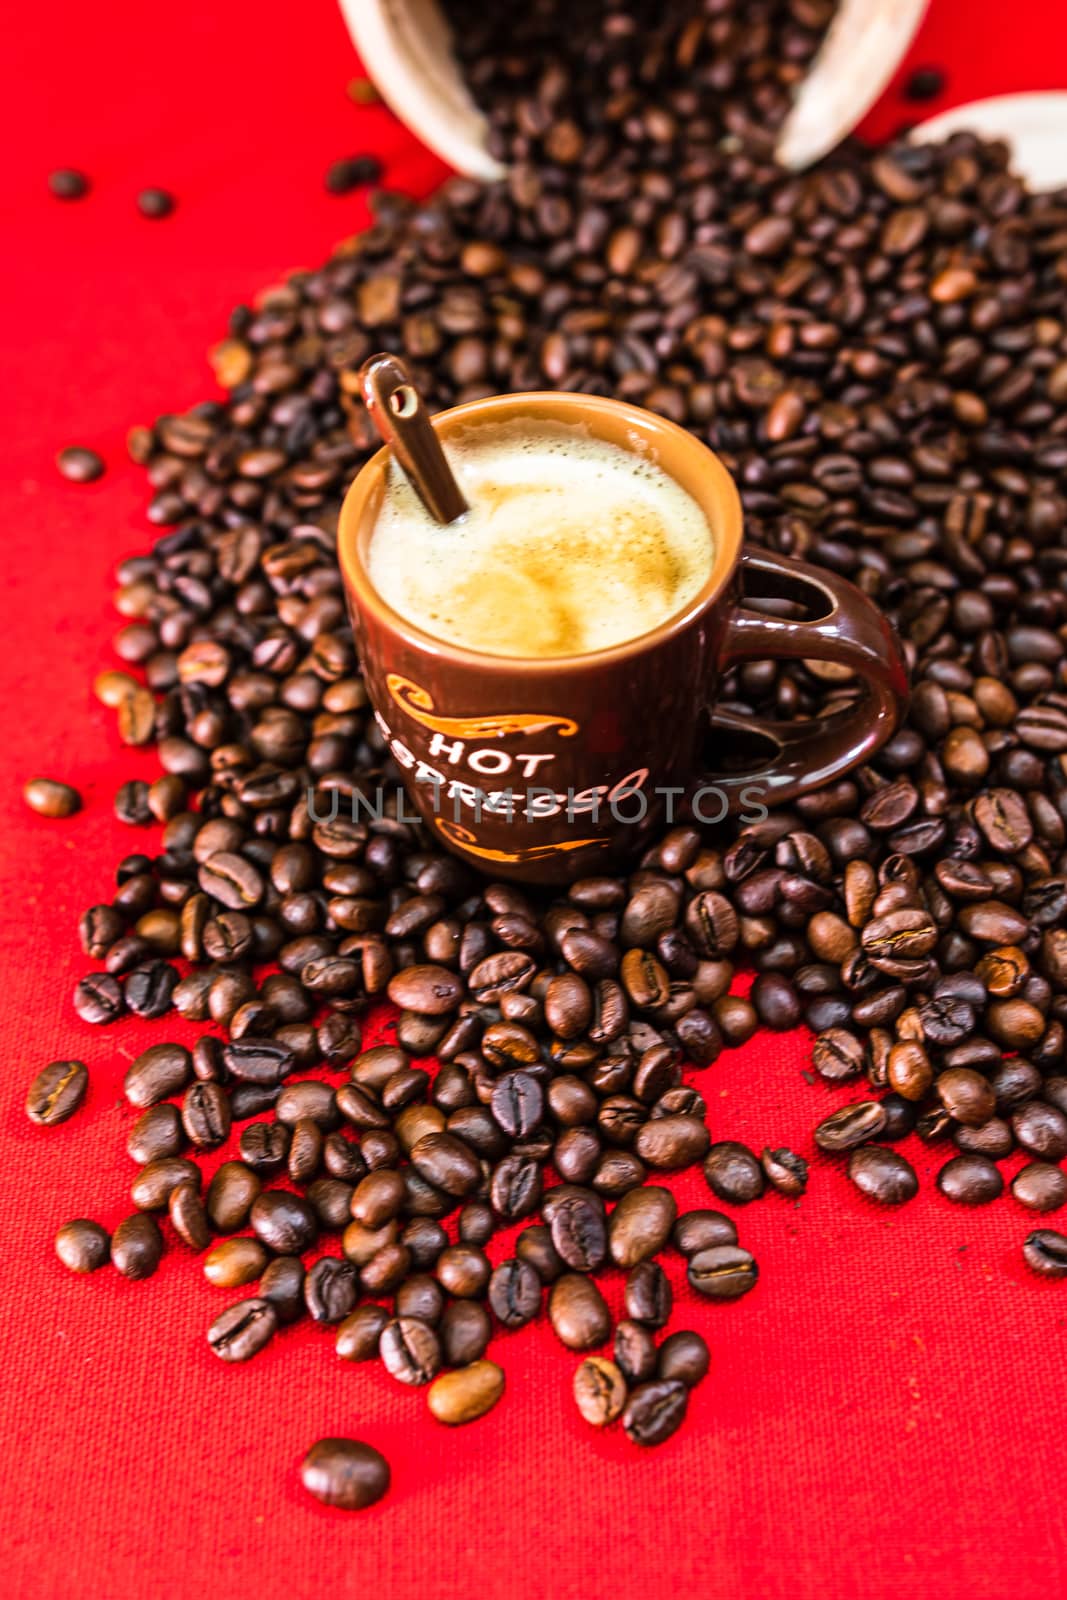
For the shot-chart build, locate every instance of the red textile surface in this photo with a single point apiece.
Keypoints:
(884, 1413)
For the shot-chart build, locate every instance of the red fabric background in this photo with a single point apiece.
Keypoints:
(884, 1414)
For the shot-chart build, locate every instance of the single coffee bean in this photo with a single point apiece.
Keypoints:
(345, 1473)
(78, 464)
(137, 1246)
(1040, 1186)
(635, 1351)
(670, 1143)
(57, 1092)
(282, 1286)
(970, 1180)
(99, 999)
(206, 1115)
(155, 203)
(331, 1289)
(285, 1223)
(466, 1394)
(359, 1334)
(67, 183)
(883, 1175)
(235, 1262)
(188, 1215)
(684, 1357)
(641, 1224)
(702, 1230)
(655, 1411)
(1045, 1252)
(785, 1171)
(647, 1295)
(850, 1126)
(51, 798)
(83, 1246)
(157, 1073)
(599, 1391)
(733, 1173)
(154, 1183)
(723, 1272)
(514, 1293)
(230, 1197)
(410, 1350)
(464, 1330)
(578, 1312)
(579, 1233)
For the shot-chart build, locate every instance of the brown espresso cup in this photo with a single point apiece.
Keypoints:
(550, 769)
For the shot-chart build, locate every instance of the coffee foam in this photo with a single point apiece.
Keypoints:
(571, 544)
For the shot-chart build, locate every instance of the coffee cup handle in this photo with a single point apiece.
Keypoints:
(844, 628)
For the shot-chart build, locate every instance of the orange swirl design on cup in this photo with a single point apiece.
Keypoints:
(419, 705)
(456, 834)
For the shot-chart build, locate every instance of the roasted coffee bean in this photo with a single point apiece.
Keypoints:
(98, 998)
(837, 1055)
(206, 1115)
(785, 1171)
(151, 1189)
(429, 990)
(733, 1173)
(82, 1246)
(282, 1285)
(331, 1289)
(50, 798)
(578, 1312)
(360, 1333)
(534, 1245)
(150, 987)
(850, 1126)
(235, 1262)
(263, 1062)
(647, 1295)
(285, 1223)
(1041, 1130)
(966, 1096)
(264, 1146)
(137, 1246)
(410, 1350)
(448, 1163)
(970, 1180)
(464, 1331)
(230, 1197)
(76, 462)
(466, 1394)
(684, 1357)
(1040, 1186)
(1045, 1252)
(669, 1143)
(514, 1293)
(654, 1411)
(635, 1351)
(599, 1391)
(188, 1215)
(640, 1225)
(463, 1270)
(57, 1092)
(723, 1272)
(695, 1231)
(579, 1233)
(883, 1175)
(158, 1072)
(345, 1473)
(421, 1296)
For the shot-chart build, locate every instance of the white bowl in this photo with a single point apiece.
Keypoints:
(406, 48)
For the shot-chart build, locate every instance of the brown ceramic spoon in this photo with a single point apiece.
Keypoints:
(397, 410)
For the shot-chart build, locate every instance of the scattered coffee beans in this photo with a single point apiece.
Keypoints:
(345, 1473)
(51, 798)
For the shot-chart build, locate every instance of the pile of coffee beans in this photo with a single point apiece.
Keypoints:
(878, 351)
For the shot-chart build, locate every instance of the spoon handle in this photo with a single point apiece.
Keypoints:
(397, 410)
